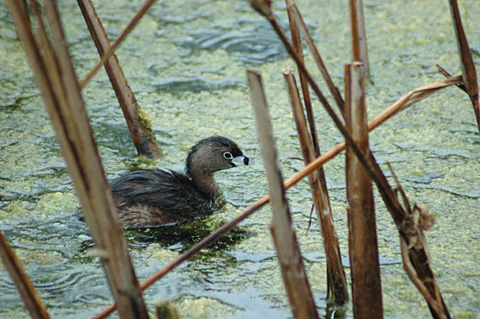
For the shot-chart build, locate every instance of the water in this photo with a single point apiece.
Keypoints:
(186, 63)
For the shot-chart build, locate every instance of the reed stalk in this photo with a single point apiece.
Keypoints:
(358, 35)
(293, 10)
(415, 253)
(336, 280)
(406, 101)
(466, 60)
(447, 75)
(53, 69)
(283, 233)
(410, 232)
(131, 25)
(24, 286)
(297, 47)
(362, 238)
(142, 136)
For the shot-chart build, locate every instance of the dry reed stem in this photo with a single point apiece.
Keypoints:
(131, 25)
(358, 35)
(447, 75)
(412, 240)
(24, 286)
(143, 138)
(293, 9)
(336, 280)
(466, 60)
(283, 233)
(413, 97)
(400, 215)
(362, 239)
(297, 47)
(54, 74)
(409, 99)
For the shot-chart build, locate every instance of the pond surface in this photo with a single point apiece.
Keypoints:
(186, 63)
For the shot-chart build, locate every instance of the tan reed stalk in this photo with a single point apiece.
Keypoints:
(297, 47)
(24, 286)
(416, 254)
(50, 60)
(143, 137)
(358, 35)
(336, 280)
(362, 235)
(131, 25)
(283, 233)
(447, 75)
(293, 9)
(466, 60)
(406, 101)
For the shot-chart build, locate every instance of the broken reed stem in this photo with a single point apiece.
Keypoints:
(283, 233)
(293, 17)
(24, 286)
(414, 241)
(131, 25)
(399, 214)
(358, 35)
(466, 60)
(297, 47)
(362, 235)
(406, 101)
(447, 75)
(336, 280)
(143, 137)
(293, 9)
(50, 60)
(413, 97)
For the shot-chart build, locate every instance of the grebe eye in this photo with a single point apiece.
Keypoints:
(228, 155)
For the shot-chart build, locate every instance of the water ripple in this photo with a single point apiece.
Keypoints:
(252, 43)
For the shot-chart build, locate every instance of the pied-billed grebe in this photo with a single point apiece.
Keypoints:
(154, 196)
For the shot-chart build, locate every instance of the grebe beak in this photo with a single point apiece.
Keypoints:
(242, 160)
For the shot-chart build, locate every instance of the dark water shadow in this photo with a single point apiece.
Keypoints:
(181, 236)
